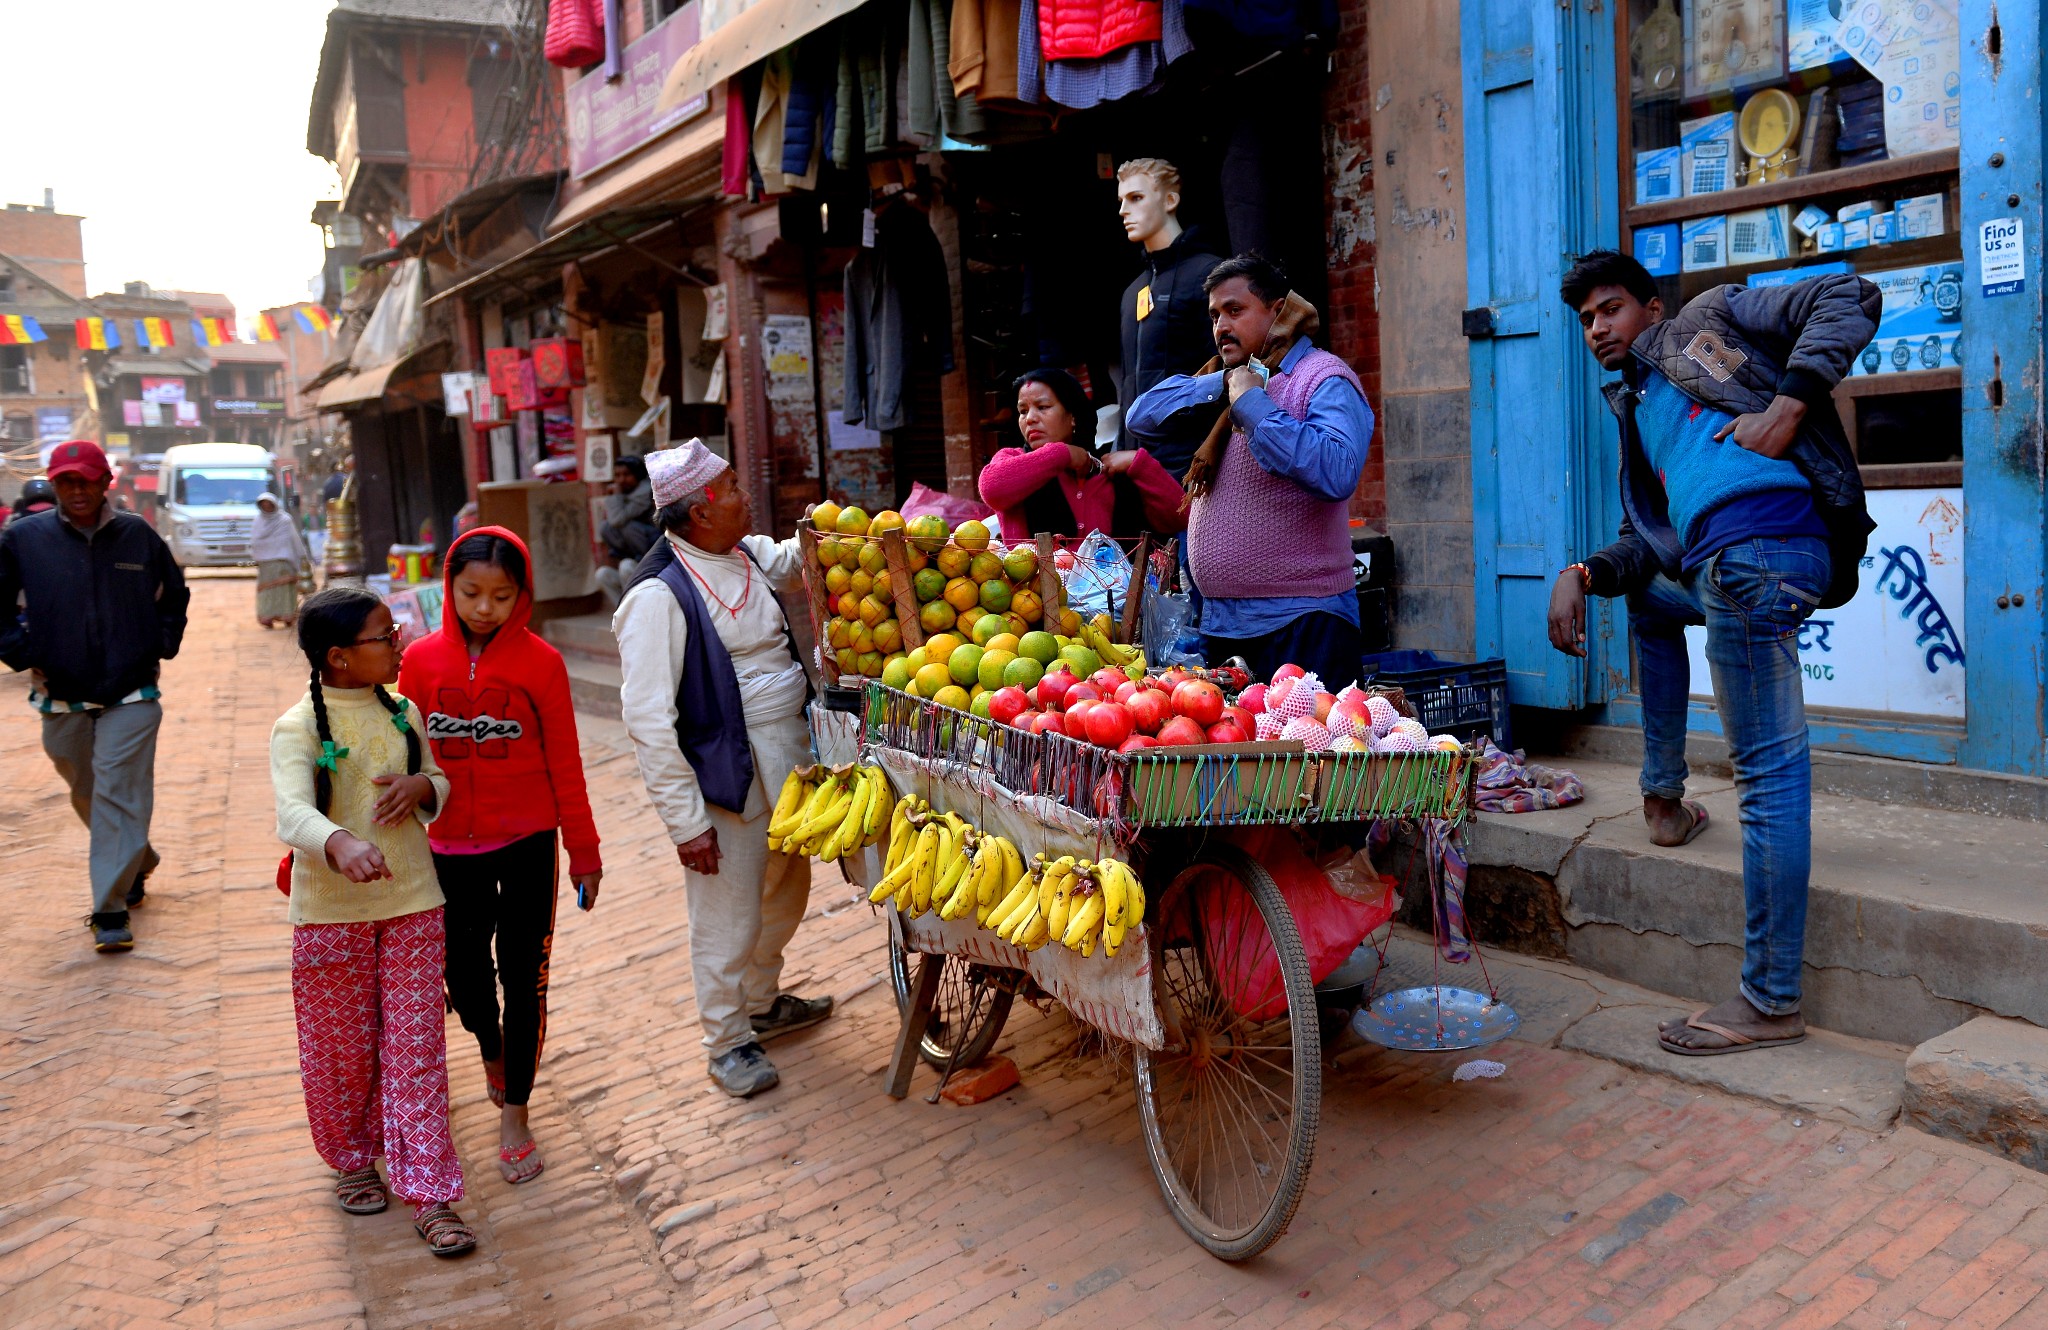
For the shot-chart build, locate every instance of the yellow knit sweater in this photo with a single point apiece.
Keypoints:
(376, 747)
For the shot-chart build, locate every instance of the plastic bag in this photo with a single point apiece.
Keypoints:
(926, 501)
(1100, 576)
(1168, 630)
(1243, 966)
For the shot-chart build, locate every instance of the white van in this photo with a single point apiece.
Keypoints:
(206, 501)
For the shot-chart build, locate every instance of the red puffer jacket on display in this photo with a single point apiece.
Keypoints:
(503, 728)
(1090, 29)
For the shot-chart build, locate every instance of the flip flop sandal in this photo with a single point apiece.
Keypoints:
(1699, 822)
(361, 1192)
(509, 1157)
(438, 1221)
(1737, 1043)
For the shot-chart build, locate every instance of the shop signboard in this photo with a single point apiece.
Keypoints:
(247, 406)
(1922, 317)
(1897, 646)
(163, 390)
(610, 118)
(53, 422)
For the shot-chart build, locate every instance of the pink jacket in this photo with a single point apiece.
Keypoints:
(1013, 475)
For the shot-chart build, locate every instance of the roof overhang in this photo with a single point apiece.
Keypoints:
(623, 228)
(746, 40)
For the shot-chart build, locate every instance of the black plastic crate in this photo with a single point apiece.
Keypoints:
(1465, 698)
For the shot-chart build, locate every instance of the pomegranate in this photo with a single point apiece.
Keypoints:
(1244, 720)
(1227, 732)
(1109, 724)
(1053, 688)
(1077, 714)
(1049, 722)
(1109, 679)
(1200, 701)
(1006, 704)
(1137, 742)
(1149, 710)
(1123, 691)
(1180, 731)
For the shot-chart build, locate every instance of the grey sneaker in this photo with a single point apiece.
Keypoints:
(788, 1014)
(110, 932)
(744, 1072)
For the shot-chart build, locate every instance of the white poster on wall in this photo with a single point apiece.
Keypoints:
(1897, 646)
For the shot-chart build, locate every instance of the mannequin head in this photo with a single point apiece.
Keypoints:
(1148, 196)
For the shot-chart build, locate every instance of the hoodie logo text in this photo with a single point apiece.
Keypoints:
(461, 721)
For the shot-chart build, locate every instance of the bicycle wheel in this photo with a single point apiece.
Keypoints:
(1229, 1110)
(968, 1010)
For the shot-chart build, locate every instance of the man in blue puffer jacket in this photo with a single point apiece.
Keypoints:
(1743, 511)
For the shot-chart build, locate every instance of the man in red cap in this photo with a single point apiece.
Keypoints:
(92, 604)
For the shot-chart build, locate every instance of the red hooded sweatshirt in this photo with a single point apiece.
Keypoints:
(503, 728)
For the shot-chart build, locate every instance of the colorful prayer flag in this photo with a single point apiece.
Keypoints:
(213, 332)
(20, 330)
(311, 318)
(96, 334)
(154, 333)
(266, 328)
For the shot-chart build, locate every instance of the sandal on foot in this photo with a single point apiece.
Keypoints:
(511, 1156)
(443, 1230)
(361, 1192)
(494, 1086)
(1737, 1041)
(1698, 811)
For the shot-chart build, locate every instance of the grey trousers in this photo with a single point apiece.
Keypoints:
(108, 758)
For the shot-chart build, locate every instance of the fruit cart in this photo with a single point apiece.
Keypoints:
(1211, 987)
(1022, 862)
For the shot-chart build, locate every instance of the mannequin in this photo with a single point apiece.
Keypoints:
(1165, 315)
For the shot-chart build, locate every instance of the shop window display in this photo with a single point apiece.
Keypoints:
(1766, 141)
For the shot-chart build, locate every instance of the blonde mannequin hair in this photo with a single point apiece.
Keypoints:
(1164, 173)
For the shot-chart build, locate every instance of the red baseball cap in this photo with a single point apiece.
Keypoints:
(81, 457)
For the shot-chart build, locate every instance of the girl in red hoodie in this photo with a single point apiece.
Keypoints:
(498, 712)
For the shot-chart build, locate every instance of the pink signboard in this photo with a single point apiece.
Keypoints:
(607, 120)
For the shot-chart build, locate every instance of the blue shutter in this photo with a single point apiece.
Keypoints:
(1540, 188)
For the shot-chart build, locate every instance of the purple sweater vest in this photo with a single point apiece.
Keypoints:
(1258, 536)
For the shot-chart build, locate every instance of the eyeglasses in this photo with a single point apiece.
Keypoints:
(389, 639)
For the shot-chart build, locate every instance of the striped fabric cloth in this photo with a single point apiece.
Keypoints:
(50, 706)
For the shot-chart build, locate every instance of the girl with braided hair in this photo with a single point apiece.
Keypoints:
(355, 785)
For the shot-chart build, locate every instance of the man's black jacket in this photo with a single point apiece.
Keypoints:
(1735, 348)
(101, 609)
(1174, 338)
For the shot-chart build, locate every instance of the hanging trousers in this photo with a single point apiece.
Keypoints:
(506, 894)
(373, 1050)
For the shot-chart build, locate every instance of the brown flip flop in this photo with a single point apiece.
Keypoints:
(1737, 1043)
(1699, 824)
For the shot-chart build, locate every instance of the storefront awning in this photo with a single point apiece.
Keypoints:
(683, 166)
(747, 40)
(370, 385)
(623, 226)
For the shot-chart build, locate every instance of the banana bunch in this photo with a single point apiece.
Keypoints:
(825, 812)
(1076, 902)
(1097, 635)
(997, 866)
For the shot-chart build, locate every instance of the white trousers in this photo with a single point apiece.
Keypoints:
(742, 916)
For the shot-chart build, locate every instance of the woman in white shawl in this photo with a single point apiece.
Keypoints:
(279, 552)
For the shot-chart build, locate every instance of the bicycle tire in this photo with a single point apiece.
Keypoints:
(1250, 1228)
(953, 1008)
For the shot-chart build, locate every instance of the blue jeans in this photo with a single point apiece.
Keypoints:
(1752, 597)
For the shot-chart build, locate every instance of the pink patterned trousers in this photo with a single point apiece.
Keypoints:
(373, 1049)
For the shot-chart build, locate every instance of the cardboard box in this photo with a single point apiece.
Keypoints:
(1922, 317)
(1884, 228)
(1657, 175)
(1856, 234)
(1829, 238)
(1657, 249)
(1809, 220)
(1703, 244)
(1852, 211)
(1707, 153)
(1760, 235)
(1920, 217)
(1787, 276)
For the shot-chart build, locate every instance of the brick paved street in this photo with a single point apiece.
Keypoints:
(157, 1169)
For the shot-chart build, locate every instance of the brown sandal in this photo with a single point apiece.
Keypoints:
(361, 1192)
(438, 1221)
(1738, 1042)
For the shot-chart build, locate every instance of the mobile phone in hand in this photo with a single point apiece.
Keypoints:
(583, 901)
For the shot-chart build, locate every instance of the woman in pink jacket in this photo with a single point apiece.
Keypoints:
(1053, 484)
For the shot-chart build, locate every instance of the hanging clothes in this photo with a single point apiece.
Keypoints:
(812, 107)
(899, 318)
(1080, 83)
(983, 57)
(1091, 29)
(575, 34)
(771, 115)
(864, 114)
(936, 112)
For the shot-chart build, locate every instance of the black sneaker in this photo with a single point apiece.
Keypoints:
(110, 932)
(788, 1014)
(138, 889)
(744, 1072)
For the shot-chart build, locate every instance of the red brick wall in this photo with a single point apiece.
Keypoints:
(1353, 317)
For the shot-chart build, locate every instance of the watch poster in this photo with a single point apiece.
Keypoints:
(1922, 319)
(1732, 44)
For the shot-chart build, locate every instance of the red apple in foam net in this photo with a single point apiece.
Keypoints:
(1276, 693)
(1181, 731)
(1288, 671)
(1137, 742)
(1324, 701)
(1200, 701)
(1253, 699)
(1149, 710)
(1049, 722)
(1109, 724)
(1006, 704)
(1227, 732)
(1053, 688)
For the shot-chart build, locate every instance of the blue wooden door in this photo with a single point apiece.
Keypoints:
(1540, 188)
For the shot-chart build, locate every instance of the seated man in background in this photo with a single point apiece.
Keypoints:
(627, 530)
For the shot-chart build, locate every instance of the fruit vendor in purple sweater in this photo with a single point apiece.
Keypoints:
(1743, 512)
(1269, 527)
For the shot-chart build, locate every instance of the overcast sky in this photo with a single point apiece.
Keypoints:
(178, 131)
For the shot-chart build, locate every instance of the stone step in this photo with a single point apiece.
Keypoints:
(594, 685)
(1958, 789)
(1919, 919)
(1985, 1083)
(588, 636)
